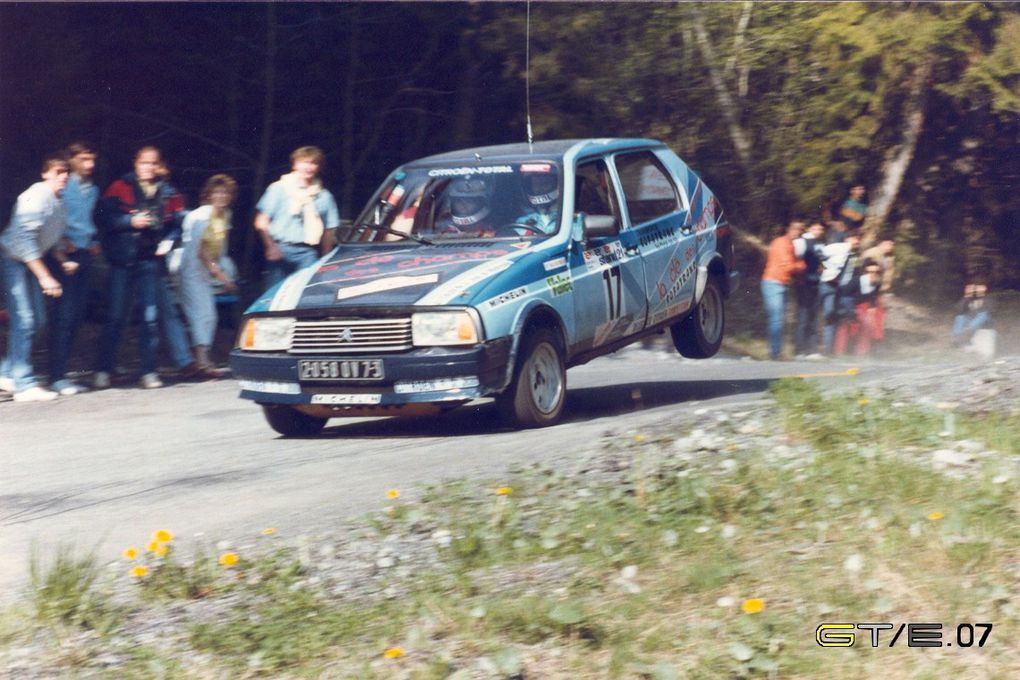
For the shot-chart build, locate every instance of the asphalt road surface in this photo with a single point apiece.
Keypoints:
(104, 470)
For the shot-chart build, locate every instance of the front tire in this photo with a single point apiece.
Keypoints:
(290, 422)
(538, 390)
(700, 333)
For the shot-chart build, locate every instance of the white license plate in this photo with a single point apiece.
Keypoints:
(348, 399)
(340, 369)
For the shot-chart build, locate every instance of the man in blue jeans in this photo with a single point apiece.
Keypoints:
(29, 251)
(295, 216)
(781, 266)
(80, 245)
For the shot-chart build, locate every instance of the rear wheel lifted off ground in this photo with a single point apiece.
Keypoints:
(700, 333)
(538, 390)
(290, 422)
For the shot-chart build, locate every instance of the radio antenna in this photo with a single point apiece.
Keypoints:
(527, 73)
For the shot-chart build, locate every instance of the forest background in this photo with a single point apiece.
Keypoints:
(779, 106)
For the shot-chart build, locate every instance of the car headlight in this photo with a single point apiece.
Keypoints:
(266, 333)
(444, 328)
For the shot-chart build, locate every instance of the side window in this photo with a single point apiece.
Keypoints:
(647, 187)
(593, 192)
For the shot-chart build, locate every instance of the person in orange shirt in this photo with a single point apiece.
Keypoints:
(781, 266)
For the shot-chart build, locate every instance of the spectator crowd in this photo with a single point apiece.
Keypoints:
(164, 260)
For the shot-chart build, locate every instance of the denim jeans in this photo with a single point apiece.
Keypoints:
(806, 331)
(27, 310)
(68, 311)
(774, 295)
(170, 321)
(142, 279)
(295, 257)
(830, 318)
(964, 323)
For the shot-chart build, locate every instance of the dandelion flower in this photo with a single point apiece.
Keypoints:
(161, 551)
(163, 536)
(269, 531)
(753, 606)
(863, 402)
(853, 371)
(393, 653)
(393, 493)
(935, 516)
(638, 438)
(153, 546)
(229, 559)
(139, 571)
(130, 553)
(504, 491)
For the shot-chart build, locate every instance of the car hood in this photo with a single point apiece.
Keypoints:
(358, 275)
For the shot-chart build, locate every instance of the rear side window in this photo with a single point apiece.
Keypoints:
(647, 187)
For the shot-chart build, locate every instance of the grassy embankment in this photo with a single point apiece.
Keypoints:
(669, 569)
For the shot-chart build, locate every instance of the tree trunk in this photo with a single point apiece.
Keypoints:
(268, 115)
(738, 135)
(899, 157)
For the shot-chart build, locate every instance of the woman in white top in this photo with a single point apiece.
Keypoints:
(205, 244)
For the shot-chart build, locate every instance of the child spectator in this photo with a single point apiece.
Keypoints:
(867, 324)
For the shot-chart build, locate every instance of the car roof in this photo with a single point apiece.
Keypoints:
(551, 149)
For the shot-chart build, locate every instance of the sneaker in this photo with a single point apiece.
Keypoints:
(67, 388)
(815, 356)
(6, 384)
(150, 381)
(101, 380)
(35, 394)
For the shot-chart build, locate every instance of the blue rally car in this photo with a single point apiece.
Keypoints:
(489, 272)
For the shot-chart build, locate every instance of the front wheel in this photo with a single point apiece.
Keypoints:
(538, 390)
(290, 422)
(700, 333)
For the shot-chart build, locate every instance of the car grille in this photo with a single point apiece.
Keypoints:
(351, 335)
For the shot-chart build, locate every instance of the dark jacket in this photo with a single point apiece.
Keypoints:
(123, 244)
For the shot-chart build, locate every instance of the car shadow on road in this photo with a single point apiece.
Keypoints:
(583, 404)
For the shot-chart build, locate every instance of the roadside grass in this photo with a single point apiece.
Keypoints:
(672, 568)
(64, 592)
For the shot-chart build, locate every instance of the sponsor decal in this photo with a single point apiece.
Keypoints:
(560, 284)
(555, 263)
(462, 283)
(521, 246)
(355, 399)
(390, 283)
(604, 256)
(477, 170)
(423, 261)
(289, 293)
(270, 386)
(536, 167)
(678, 276)
(436, 385)
(506, 297)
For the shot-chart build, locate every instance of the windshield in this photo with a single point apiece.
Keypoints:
(514, 200)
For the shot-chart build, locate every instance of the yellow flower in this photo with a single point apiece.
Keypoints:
(162, 551)
(638, 438)
(935, 516)
(393, 653)
(229, 559)
(393, 493)
(853, 371)
(163, 536)
(753, 606)
(139, 571)
(153, 546)
(130, 553)
(863, 402)
(269, 531)
(504, 491)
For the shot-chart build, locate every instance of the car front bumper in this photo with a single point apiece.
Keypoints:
(428, 375)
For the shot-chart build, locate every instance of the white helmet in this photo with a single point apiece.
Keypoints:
(541, 188)
(469, 201)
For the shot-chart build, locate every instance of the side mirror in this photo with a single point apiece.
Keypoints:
(600, 225)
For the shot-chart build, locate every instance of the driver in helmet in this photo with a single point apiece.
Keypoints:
(541, 214)
(470, 205)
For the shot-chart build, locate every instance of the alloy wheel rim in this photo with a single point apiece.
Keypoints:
(544, 379)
